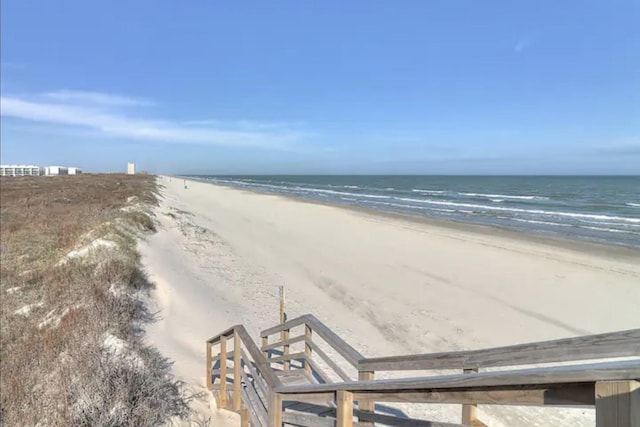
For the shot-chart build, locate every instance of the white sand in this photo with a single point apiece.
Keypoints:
(388, 285)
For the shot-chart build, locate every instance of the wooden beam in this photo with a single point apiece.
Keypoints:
(257, 378)
(237, 372)
(618, 403)
(609, 345)
(345, 350)
(258, 358)
(279, 344)
(275, 410)
(289, 324)
(344, 414)
(265, 350)
(244, 417)
(292, 356)
(317, 370)
(223, 373)
(364, 404)
(517, 378)
(308, 335)
(574, 395)
(285, 352)
(333, 365)
(469, 412)
(321, 398)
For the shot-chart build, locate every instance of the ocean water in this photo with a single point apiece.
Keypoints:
(604, 209)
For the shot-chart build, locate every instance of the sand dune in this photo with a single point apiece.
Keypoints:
(387, 284)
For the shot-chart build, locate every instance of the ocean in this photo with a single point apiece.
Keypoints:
(603, 209)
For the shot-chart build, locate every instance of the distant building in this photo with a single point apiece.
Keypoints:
(20, 170)
(56, 170)
(131, 168)
(75, 171)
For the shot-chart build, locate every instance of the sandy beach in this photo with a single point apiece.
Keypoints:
(387, 284)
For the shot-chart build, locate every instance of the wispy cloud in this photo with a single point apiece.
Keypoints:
(102, 113)
(522, 45)
(96, 98)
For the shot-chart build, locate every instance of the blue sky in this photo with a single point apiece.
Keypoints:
(433, 87)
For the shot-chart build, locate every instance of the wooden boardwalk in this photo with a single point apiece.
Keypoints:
(298, 379)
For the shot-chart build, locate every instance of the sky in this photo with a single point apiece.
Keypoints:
(322, 87)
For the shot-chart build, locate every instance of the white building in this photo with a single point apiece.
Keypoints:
(20, 170)
(75, 171)
(131, 168)
(56, 170)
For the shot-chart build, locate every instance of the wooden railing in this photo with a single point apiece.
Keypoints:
(328, 382)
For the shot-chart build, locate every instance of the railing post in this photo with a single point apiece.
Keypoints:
(265, 353)
(308, 334)
(366, 405)
(209, 367)
(223, 372)
(275, 410)
(285, 352)
(469, 412)
(344, 413)
(244, 417)
(237, 372)
(618, 404)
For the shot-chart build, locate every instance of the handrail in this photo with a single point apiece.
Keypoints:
(613, 344)
(607, 385)
(350, 354)
(606, 371)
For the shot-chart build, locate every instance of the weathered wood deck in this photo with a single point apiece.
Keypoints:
(273, 385)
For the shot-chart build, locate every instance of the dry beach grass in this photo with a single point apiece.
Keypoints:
(72, 294)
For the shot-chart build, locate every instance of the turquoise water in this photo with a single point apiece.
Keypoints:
(595, 208)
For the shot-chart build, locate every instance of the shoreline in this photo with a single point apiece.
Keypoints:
(614, 251)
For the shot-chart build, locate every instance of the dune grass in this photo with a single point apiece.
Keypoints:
(72, 297)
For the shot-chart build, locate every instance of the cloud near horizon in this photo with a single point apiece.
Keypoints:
(101, 112)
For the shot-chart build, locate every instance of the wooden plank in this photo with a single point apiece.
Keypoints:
(333, 365)
(209, 367)
(573, 395)
(237, 372)
(618, 404)
(305, 420)
(344, 412)
(292, 356)
(609, 345)
(308, 337)
(345, 350)
(365, 404)
(289, 324)
(275, 410)
(278, 344)
(610, 371)
(223, 373)
(390, 420)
